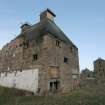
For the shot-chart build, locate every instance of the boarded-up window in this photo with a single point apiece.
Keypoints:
(53, 72)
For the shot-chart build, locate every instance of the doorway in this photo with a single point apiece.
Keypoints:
(54, 85)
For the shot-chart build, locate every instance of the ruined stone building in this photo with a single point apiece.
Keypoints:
(99, 68)
(86, 74)
(42, 52)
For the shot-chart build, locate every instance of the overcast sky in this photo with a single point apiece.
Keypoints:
(83, 21)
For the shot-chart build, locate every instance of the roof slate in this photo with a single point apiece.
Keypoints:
(45, 26)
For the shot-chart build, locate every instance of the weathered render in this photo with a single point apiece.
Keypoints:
(26, 80)
(45, 47)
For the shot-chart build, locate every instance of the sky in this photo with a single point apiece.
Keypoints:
(83, 21)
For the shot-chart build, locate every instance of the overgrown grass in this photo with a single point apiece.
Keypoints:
(89, 95)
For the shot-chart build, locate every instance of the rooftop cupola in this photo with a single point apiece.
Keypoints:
(24, 27)
(47, 14)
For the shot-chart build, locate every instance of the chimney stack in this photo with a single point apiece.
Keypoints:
(24, 27)
(47, 14)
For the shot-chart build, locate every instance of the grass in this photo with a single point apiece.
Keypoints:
(88, 95)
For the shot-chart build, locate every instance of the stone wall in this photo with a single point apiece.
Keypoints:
(53, 57)
(52, 54)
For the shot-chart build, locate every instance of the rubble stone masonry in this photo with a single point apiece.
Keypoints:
(43, 46)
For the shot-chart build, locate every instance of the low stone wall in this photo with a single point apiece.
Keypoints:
(25, 80)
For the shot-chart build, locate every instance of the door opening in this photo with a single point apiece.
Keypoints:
(54, 86)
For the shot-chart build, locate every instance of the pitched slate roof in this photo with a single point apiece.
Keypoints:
(44, 26)
(99, 59)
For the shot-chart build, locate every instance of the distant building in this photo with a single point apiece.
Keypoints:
(99, 68)
(87, 74)
(43, 56)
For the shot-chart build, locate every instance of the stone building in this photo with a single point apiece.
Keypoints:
(86, 74)
(45, 48)
(99, 68)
